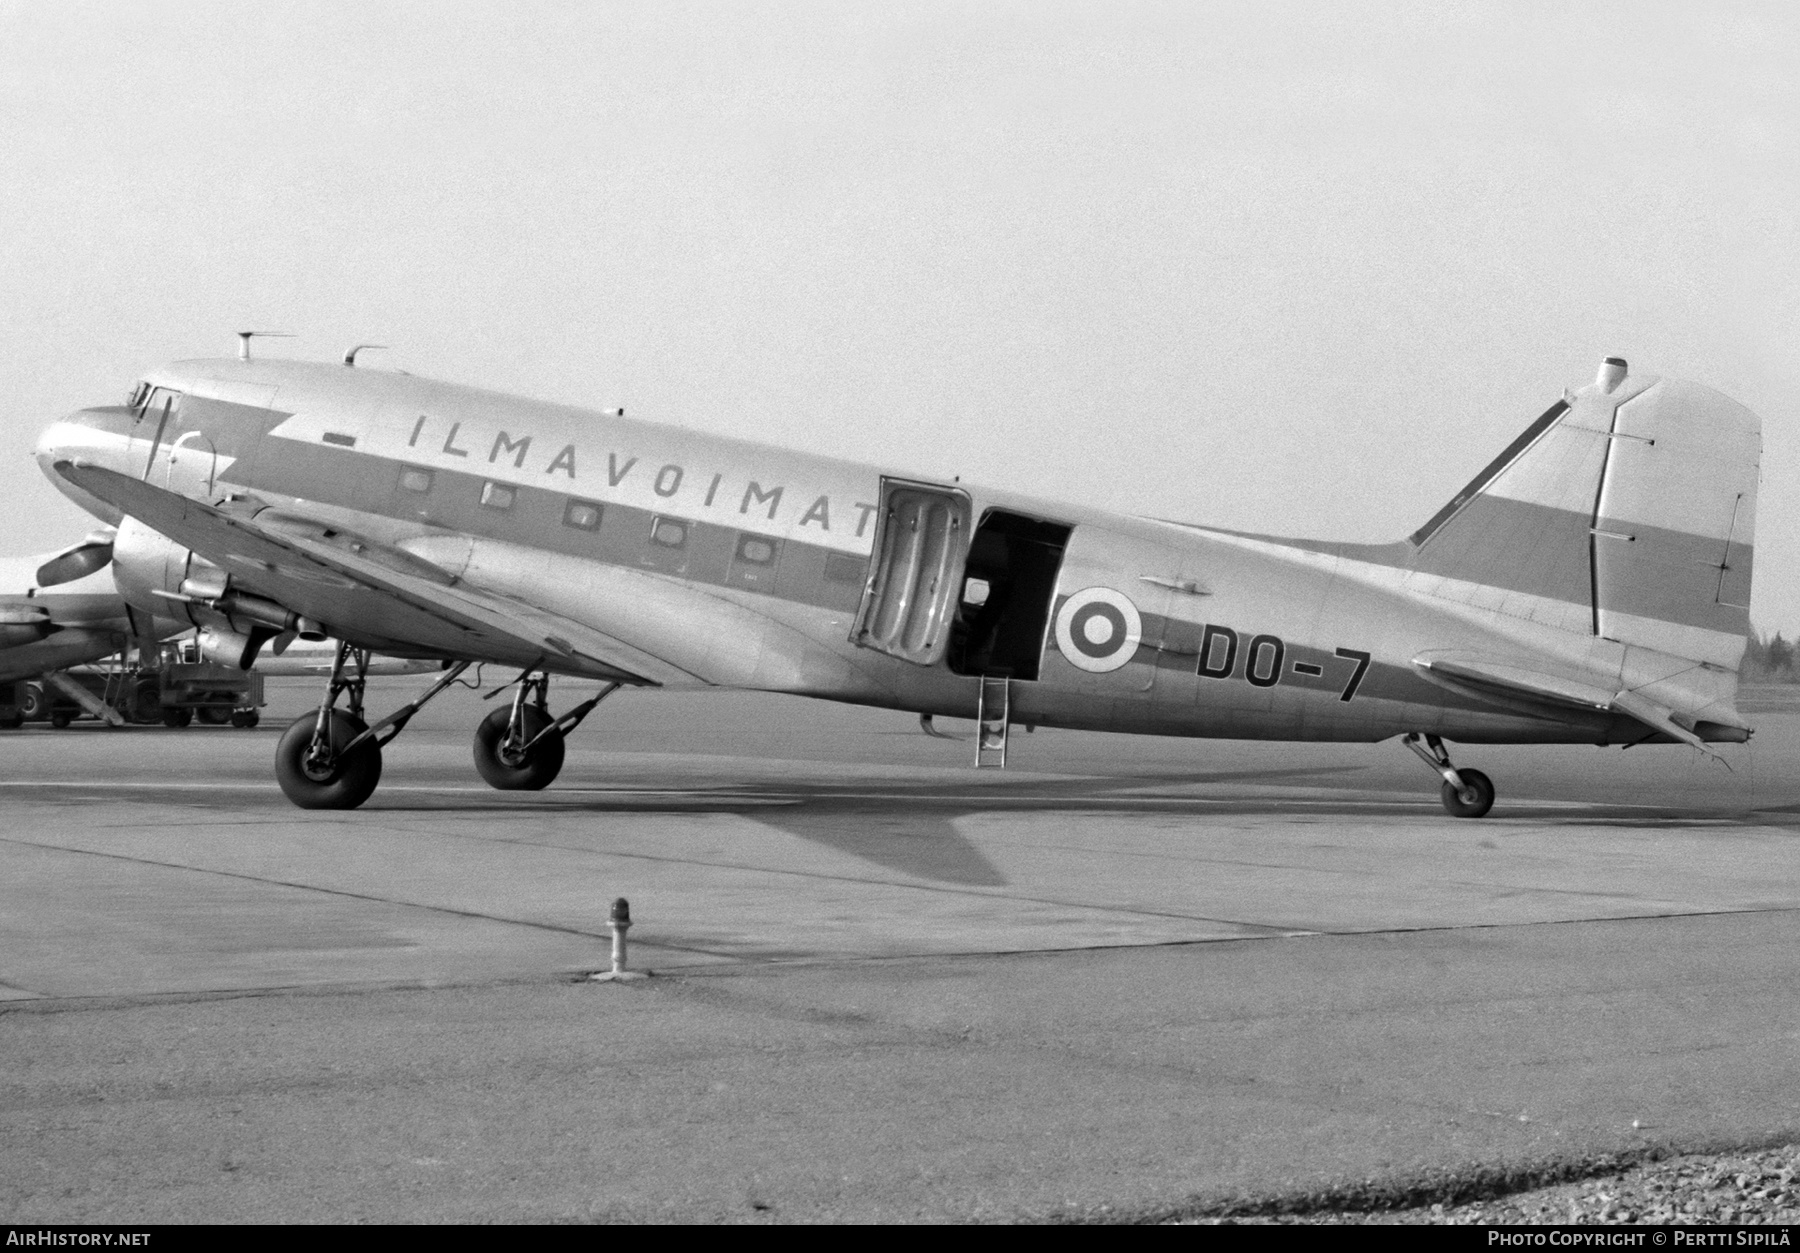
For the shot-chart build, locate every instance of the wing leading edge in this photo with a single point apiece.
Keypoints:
(377, 601)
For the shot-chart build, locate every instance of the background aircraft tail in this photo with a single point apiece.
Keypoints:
(1626, 511)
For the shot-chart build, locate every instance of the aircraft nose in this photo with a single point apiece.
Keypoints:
(96, 436)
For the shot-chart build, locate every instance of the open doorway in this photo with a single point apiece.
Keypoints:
(1008, 584)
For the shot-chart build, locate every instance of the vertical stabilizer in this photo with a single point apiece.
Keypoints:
(1627, 511)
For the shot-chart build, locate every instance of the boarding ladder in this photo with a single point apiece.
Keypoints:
(111, 717)
(992, 718)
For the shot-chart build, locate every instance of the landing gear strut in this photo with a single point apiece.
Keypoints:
(520, 748)
(331, 759)
(1466, 793)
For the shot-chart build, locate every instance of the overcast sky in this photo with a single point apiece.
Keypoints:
(1294, 268)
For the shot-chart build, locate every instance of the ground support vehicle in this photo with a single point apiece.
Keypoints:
(186, 690)
(173, 692)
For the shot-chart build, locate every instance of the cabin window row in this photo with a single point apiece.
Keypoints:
(665, 532)
(755, 550)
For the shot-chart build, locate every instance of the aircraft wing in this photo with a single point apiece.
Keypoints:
(1549, 695)
(374, 596)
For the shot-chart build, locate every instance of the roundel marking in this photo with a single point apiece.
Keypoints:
(1098, 629)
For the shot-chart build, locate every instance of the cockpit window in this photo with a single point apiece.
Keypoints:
(158, 403)
(138, 391)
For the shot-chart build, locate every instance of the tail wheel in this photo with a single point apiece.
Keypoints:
(509, 770)
(1474, 799)
(333, 779)
(61, 718)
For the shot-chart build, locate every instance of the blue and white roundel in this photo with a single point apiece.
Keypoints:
(1098, 629)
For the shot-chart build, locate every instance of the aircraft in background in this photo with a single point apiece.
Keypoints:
(84, 621)
(1590, 585)
(45, 632)
(311, 658)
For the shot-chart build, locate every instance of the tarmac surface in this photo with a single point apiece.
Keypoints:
(1126, 977)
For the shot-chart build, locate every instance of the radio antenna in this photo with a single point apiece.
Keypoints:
(350, 357)
(244, 338)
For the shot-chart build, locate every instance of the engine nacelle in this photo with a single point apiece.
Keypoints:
(23, 624)
(158, 576)
(229, 648)
(146, 562)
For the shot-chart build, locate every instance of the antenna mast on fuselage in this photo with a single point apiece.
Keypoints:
(244, 338)
(350, 357)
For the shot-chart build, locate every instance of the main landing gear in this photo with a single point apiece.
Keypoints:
(331, 759)
(520, 748)
(1466, 793)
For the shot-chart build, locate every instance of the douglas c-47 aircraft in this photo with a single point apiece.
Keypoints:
(1589, 586)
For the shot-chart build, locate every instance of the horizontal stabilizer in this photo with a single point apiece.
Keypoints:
(1520, 686)
(1514, 683)
(1662, 719)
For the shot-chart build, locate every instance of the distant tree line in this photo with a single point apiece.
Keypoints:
(1770, 659)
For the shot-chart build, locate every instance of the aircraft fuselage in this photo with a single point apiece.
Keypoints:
(748, 566)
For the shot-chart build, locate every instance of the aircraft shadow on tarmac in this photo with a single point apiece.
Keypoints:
(910, 827)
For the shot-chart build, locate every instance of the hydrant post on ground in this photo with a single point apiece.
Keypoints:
(620, 922)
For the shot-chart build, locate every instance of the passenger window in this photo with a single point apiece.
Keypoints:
(583, 515)
(756, 550)
(668, 532)
(497, 495)
(414, 479)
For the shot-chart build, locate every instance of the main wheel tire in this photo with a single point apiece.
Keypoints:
(60, 718)
(215, 715)
(245, 718)
(37, 705)
(536, 770)
(177, 717)
(1475, 798)
(348, 782)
